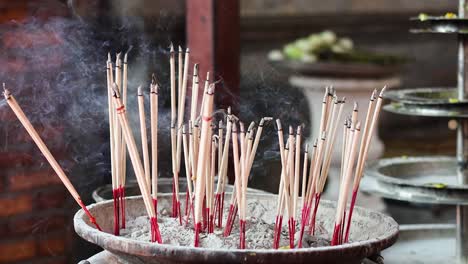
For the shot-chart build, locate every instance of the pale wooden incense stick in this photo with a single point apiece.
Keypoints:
(137, 164)
(124, 100)
(113, 124)
(211, 184)
(144, 136)
(111, 120)
(173, 130)
(154, 138)
(195, 86)
(202, 160)
(186, 160)
(180, 119)
(46, 152)
(341, 205)
(297, 169)
(363, 151)
(180, 71)
(329, 148)
(205, 89)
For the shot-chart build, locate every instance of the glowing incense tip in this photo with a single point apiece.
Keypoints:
(373, 95)
(140, 91)
(306, 150)
(125, 58)
(298, 131)
(358, 126)
(154, 81)
(251, 126)
(115, 90)
(229, 110)
(355, 107)
(324, 135)
(315, 143)
(220, 124)
(382, 91)
(211, 89)
(324, 101)
(278, 124)
(207, 76)
(195, 69)
(343, 100)
(118, 56)
(108, 57)
(6, 92)
(291, 130)
(187, 50)
(171, 48)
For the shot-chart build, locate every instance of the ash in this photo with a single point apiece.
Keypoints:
(259, 233)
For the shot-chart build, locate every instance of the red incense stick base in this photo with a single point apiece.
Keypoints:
(228, 221)
(92, 219)
(277, 236)
(122, 205)
(292, 231)
(217, 207)
(198, 227)
(178, 213)
(155, 233)
(336, 234)
(350, 215)
(314, 214)
(242, 234)
(116, 195)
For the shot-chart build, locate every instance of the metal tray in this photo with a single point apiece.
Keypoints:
(430, 180)
(335, 69)
(423, 244)
(436, 24)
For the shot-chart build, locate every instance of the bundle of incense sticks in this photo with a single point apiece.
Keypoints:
(136, 163)
(117, 140)
(46, 152)
(320, 160)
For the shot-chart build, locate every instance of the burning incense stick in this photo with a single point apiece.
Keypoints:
(144, 137)
(46, 152)
(344, 188)
(154, 140)
(173, 130)
(363, 151)
(122, 146)
(137, 165)
(115, 186)
(202, 161)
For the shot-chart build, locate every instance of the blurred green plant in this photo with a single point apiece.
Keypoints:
(326, 46)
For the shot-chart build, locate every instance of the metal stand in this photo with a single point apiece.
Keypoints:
(462, 142)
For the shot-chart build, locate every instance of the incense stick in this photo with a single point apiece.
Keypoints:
(46, 152)
(137, 164)
(144, 137)
(202, 162)
(154, 140)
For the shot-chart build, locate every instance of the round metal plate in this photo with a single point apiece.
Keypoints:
(335, 69)
(441, 25)
(428, 244)
(426, 110)
(431, 180)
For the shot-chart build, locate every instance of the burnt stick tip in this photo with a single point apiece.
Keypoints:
(115, 90)
(382, 91)
(140, 91)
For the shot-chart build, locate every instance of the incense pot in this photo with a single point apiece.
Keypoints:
(371, 233)
(104, 192)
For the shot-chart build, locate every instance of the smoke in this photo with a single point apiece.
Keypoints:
(56, 70)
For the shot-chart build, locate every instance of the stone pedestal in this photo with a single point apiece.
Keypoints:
(355, 90)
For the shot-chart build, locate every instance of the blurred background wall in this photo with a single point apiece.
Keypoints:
(36, 212)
